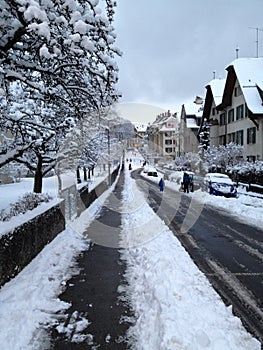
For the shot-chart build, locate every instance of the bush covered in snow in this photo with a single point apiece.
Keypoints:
(247, 172)
(28, 201)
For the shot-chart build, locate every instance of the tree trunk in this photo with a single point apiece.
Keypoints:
(59, 181)
(85, 173)
(78, 176)
(38, 179)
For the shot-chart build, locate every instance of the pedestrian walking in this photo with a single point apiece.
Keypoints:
(186, 181)
(161, 185)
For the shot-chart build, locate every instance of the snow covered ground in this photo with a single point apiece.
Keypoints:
(10, 193)
(176, 306)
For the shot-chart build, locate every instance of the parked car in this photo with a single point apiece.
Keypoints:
(152, 172)
(219, 185)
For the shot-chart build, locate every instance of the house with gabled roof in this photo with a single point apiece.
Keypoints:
(162, 135)
(190, 119)
(213, 98)
(240, 118)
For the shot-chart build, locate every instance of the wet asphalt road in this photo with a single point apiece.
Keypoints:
(93, 293)
(228, 251)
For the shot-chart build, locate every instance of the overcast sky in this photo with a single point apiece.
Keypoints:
(172, 47)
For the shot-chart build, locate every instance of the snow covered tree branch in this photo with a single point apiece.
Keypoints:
(57, 66)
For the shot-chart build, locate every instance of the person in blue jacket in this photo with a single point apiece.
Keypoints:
(161, 185)
(186, 182)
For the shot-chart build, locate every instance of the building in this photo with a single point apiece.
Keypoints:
(139, 135)
(162, 135)
(237, 116)
(213, 98)
(190, 120)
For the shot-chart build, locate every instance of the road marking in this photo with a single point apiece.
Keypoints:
(235, 285)
(238, 274)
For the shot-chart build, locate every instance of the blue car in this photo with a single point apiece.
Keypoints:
(219, 185)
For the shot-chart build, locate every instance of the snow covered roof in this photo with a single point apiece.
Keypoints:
(165, 128)
(217, 87)
(193, 108)
(191, 123)
(140, 127)
(165, 123)
(249, 72)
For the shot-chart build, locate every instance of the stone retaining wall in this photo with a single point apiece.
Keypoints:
(20, 246)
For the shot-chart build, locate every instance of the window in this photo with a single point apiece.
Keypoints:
(240, 112)
(168, 142)
(222, 120)
(231, 137)
(168, 133)
(251, 158)
(222, 140)
(240, 137)
(169, 150)
(251, 135)
(213, 111)
(230, 115)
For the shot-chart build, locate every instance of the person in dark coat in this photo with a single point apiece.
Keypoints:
(186, 181)
(161, 185)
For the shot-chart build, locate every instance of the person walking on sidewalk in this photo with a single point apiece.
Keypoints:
(161, 185)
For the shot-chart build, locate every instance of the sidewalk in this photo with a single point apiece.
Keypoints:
(94, 319)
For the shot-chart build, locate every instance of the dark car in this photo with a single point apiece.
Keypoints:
(219, 185)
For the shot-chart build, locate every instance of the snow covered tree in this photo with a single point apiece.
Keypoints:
(60, 56)
(204, 135)
(223, 156)
(190, 161)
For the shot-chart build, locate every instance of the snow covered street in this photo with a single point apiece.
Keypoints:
(174, 304)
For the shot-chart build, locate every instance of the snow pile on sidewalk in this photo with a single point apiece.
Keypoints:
(174, 304)
(30, 298)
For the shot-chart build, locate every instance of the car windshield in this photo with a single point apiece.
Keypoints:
(221, 180)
